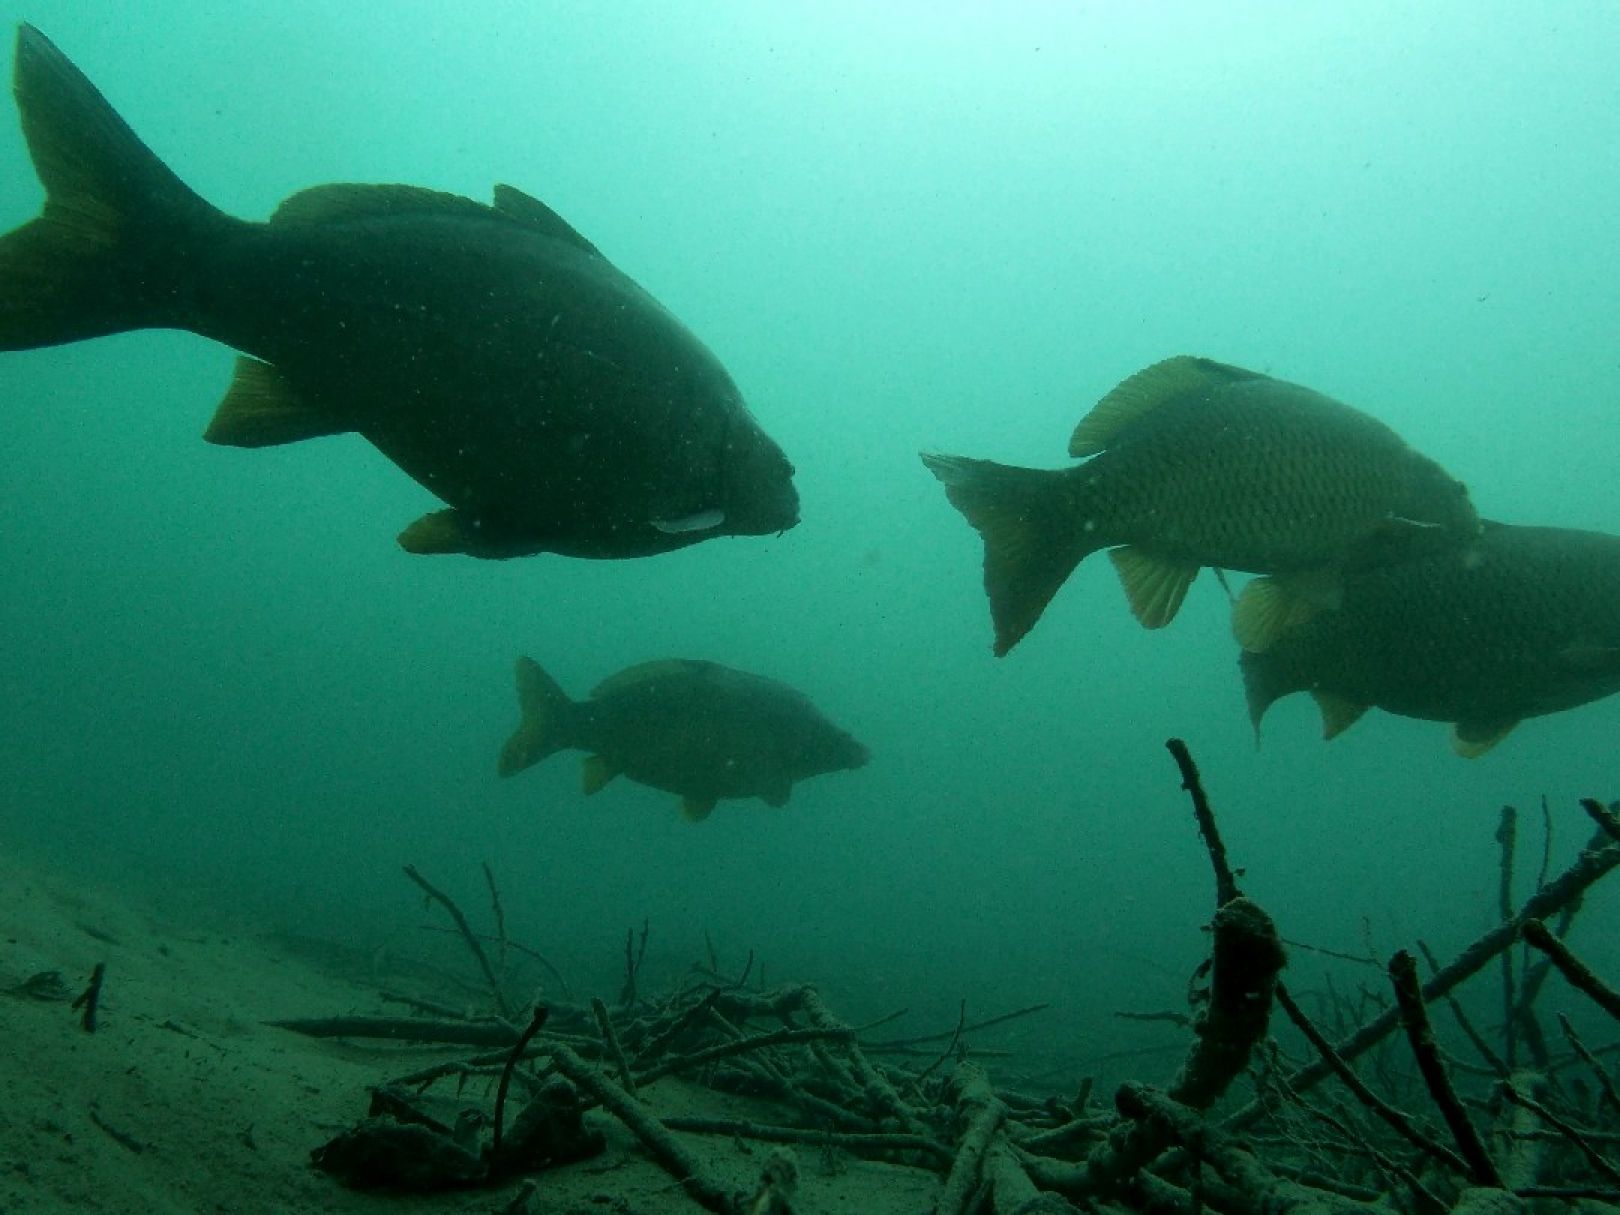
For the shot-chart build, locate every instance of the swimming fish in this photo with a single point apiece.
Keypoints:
(1198, 463)
(696, 729)
(1522, 622)
(491, 352)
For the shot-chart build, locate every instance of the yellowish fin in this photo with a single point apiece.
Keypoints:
(546, 720)
(1139, 394)
(261, 409)
(1472, 739)
(595, 773)
(441, 531)
(1338, 714)
(1273, 606)
(1154, 585)
(696, 809)
(120, 236)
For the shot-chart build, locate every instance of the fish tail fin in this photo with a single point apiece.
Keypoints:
(547, 723)
(115, 243)
(1027, 518)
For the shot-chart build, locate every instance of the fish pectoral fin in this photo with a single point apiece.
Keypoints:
(1338, 713)
(594, 774)
(529, 211)
(1140, 394)
(1471, 739)
(1589, 657)
(696, 809)
(260, 409)
(699, 521)
(1154, 585)
(1273, 606)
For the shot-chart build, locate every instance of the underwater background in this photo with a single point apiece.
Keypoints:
(902, 227)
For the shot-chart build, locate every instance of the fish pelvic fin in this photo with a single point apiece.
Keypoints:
(1338, 714)
(696, 809)
(1471, 739)
(1154, 585)
(547, 720)
(116, 243)
(1033, 537)
(1271, 607)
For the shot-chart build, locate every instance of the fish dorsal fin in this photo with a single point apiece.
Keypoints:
(696, 809)
(595, 773)
(1471, 739)
(1154, 585)
(1338, 713)
(1139, 394)
(260, 409)
(647, 672)
(1275, 605)
(344, 202)
(529, 211)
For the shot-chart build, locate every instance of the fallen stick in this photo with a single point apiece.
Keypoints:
(655, 1137)
(981, 1115)
(860, 1143)
(404, 1029)
(90, 998)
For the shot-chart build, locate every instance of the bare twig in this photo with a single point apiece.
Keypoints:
(497, 911)
(1396, 1120)
(90, 998)
(1593, 1157)
(535, 1022)
(467, 934)
(1590, 866)
(610, 1044)
(1415, 1020)
(1599, 1072)
(1226, 888)
(1572, 968)
(1507, 834)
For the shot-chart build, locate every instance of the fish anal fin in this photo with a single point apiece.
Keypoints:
(1471, 739)
(1338, 713)
(696, 809)
(529, 211)
(779, 795)
(595, 773)
(440, 531)
(1154, 585)
(454, 531)
(260, 409)
(1273, 606)
(1140, 394)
